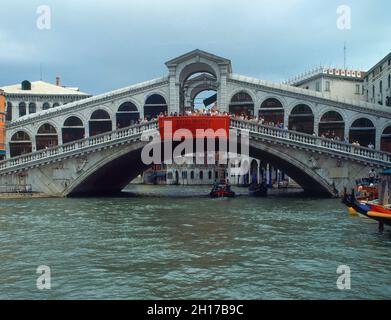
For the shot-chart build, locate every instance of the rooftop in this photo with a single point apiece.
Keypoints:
(327, 72)
(42, 88)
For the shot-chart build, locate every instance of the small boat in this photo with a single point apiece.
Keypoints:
(381, 214)
(258, 190)
(366, 192)
(222, 191)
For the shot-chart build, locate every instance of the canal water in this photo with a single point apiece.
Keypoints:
(174, 243)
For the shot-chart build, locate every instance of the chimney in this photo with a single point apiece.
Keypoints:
(58, 81)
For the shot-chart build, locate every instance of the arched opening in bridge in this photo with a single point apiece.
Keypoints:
(73, 130)
(46, 137)
(363, 131)
(242, 104)
(200, 91)
(99, 123)
(272, 111)
(32, 108)
(386, 140)
(332, 126)
(201, 74)
(205, 100)
(20, 144)
(302, 119)
(22, 109)
(154, 105)
(127, 115)
(9, 112)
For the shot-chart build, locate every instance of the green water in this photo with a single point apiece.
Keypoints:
(171, 243)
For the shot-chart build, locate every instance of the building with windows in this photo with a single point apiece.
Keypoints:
(28, 97)
(348, 84)
(377, 83)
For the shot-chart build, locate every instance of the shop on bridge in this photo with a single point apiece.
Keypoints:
(127, 115)
(332, 126)
(363, 132)
(272, 111)
(242, 104)
(20, 144)
(99, 123)
(46, 137)
(386, 140)
(73, 130)
(302, 119)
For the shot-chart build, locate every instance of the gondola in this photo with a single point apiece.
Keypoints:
(373, 211)
(222, 191)
(258, 190)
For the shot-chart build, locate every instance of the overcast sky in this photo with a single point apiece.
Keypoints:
(103, 45)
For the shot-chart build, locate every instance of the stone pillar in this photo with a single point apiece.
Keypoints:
(347, 132)
(222, 92)
(174, 93)
(378, 139)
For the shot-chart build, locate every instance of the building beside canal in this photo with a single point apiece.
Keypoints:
(27, 98)
(377, 83)
(348, 84)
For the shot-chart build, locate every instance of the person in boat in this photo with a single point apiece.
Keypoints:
(228, 186)
(216, 186)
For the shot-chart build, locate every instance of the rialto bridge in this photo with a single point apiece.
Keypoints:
(87, 146)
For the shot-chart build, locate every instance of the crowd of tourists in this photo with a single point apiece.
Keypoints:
(214, 112)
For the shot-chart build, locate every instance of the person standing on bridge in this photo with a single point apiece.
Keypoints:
(372, 176)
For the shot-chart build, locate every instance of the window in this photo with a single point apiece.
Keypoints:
(358, 89)
(201, 175)
(327, 86)
(9, 111)
(373, 92)
(32, 108)
(318, 86)
(46, 106)
(184, 174)
(192, 175)
(22, 109)
(389, 81)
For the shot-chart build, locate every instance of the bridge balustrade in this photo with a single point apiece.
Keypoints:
(306, 139)
(254, 128)
(77, 145)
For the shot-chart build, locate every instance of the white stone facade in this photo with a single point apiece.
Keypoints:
(378, 83)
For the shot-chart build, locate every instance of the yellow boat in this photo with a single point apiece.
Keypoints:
(375, 214)
(352, 212)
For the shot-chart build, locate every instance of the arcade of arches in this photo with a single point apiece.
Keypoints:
(331, 125)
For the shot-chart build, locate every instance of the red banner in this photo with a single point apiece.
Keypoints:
(196, 127)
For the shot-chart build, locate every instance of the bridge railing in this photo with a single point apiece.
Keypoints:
(77, 145)
(311, 140)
